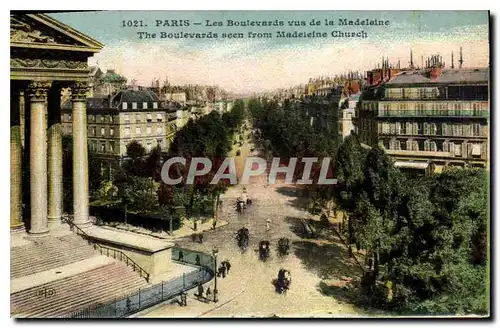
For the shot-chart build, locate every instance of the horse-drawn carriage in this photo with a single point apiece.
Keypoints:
(264, 250)
(283, 246)
(242, 202)
(242, 237)
(284, 281)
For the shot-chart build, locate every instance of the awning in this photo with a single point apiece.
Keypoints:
(411, 165)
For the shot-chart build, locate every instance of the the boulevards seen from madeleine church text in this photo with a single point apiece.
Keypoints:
(393, 106)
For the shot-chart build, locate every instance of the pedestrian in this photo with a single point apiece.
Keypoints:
(268, 224)
(223, 272)
(214, 223)
(193, 237)
(200, 291)
(181, 256)
(209, 292)
(200, 238)
(228, 266)
(197, 259)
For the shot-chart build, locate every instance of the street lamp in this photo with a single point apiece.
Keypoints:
(215, 251)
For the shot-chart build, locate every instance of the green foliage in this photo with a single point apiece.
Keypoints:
(427, 235)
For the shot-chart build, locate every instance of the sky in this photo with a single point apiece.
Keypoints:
(262, 64)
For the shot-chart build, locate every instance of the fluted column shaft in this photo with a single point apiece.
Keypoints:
(16, 223)
(55, 164)
(37, 92)
(80, 155)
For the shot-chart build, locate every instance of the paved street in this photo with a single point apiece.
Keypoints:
(316, 266)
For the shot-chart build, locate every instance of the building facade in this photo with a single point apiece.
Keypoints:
(429, 119)
(47, 57)
(114, 122)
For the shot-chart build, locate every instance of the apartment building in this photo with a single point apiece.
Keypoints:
(113, 122)
(429, 119)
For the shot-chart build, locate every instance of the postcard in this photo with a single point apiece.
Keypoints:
(250, 164)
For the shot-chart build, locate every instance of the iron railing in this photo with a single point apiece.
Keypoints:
(148, 297)
(116, 254)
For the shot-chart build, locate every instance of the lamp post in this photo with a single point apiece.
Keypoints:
(215, 251)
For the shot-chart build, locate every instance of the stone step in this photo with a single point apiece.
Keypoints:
(47, 253)
(101, 285)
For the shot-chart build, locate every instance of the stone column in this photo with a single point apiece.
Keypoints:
(16, 223)
(55, 156)
(80, 155)
(37, 91)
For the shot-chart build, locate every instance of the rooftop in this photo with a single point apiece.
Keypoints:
(469, 75)
(135, 96)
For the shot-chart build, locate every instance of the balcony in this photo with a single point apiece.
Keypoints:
(434, 113)
(419, 153)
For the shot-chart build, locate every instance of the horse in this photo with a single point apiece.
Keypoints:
(283, 246)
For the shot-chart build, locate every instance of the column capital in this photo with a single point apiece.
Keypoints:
(79, 91)
(38, 90)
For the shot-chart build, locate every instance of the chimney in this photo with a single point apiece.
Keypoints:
(461, 60)
(452, 61)
(434, 72)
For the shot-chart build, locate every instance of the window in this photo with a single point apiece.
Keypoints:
(159, 130)
(148, 146)
(103, 147)
(127, 131)
(476, 149)
(137, 118)
(144, 105)
(414, 145)
(94, 131)
(148, 130)
(457, 130)
(433, 146)
(111, 146)
(426, 129)
(397, 145)
(124, 105)
(159, 117)
(415, 129)
(103, 131)
(155, 105)
(445, 129)
(134, 105)
(149, 117)
(111, 131)
(476, 130)
(433, 129)
(127, 118)
(427, 145)
(91, 118)
(110, 119)
(138, 130)
(93, 145)
(457, 149)
(101, 118)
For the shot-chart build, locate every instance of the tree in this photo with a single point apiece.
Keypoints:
(135, 150)
(134, 164)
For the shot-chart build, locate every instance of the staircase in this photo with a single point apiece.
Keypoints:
(48, 253)
(71, 294)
